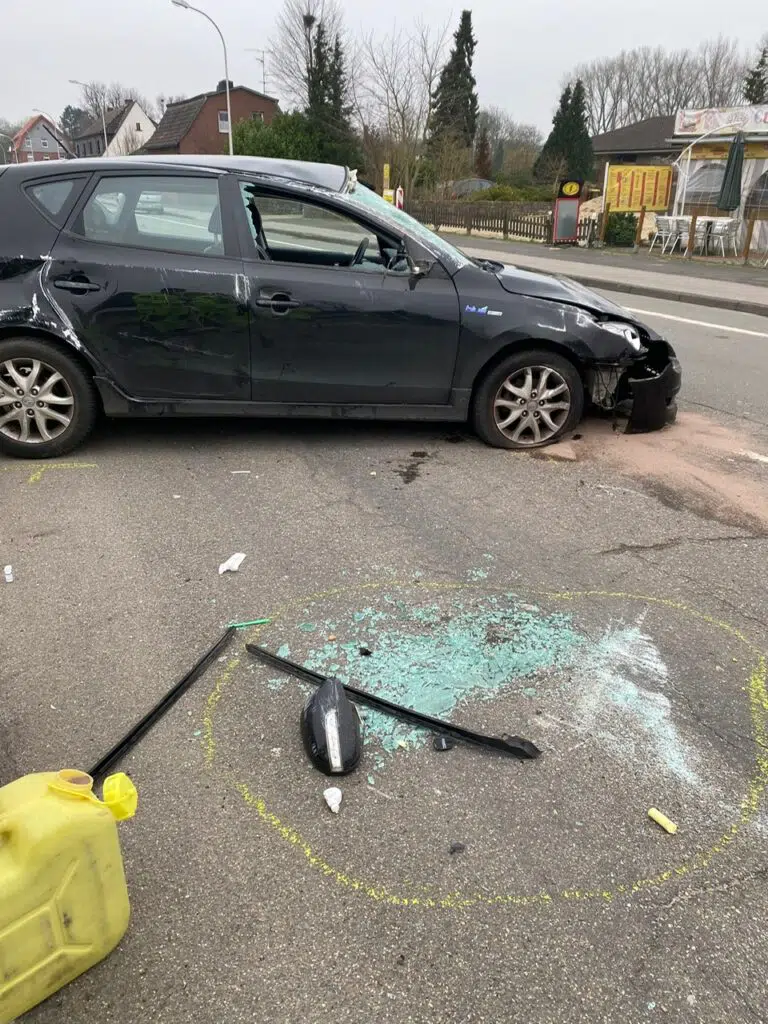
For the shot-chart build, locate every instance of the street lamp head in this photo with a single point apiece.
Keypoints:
(180, 3)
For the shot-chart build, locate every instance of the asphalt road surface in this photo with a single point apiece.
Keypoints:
(610, 606)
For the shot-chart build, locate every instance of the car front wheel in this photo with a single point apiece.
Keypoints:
(48, 404)
(528, 400)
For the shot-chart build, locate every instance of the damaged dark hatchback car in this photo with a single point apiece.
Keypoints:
(241, 286)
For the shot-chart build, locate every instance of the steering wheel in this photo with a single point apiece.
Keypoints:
(360, 252)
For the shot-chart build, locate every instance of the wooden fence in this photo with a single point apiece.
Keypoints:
(529, 221)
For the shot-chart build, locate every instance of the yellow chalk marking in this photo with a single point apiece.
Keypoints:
(37, 475)
(44, 467)
(758, 706)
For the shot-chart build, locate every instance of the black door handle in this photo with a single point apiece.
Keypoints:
(76, 286)
(280, 303)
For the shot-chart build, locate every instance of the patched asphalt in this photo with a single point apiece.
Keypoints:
(560, 600)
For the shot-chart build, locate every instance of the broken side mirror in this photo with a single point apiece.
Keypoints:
(420, 267)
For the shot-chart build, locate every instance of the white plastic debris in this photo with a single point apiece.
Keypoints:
(232, 564)
(756, 456)
(8, 573)
(333, 798)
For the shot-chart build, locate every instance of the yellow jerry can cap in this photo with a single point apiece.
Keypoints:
(120, 796)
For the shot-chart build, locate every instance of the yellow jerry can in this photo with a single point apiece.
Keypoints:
(63, 897)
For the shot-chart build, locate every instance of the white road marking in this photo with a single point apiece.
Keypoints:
(699, 323)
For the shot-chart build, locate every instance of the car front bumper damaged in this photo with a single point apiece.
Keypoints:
(643, 389)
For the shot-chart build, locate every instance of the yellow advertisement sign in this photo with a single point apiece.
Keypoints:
(386, 176)
(634, 186)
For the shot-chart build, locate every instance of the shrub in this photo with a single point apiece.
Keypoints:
(620, 229)
(513, 194)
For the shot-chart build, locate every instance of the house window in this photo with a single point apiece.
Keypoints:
(44, 143)
(90, 148)
(28, 143)
(257, 115)
(47, 156)
(223, 122)
(30, 157)
(98, 144)
(138, 126)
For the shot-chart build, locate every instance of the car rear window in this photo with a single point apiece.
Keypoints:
(178, 213)
(52, 196)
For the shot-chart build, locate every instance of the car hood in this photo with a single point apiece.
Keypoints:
(557, 289)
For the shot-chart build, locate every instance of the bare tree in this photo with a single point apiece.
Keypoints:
(398, 74)
(291, 45)
(97, 96)
(7, 131)
(163, 101)
(722, 67)
(514, 146)
(652, 81)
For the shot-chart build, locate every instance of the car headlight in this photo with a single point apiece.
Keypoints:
(629, 333)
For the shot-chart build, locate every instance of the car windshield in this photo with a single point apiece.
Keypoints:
(453, 258)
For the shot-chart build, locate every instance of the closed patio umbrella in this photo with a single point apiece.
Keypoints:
(730, 190)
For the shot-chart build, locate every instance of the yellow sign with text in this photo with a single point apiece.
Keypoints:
(634, 186)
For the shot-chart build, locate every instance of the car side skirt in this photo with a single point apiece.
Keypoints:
(118, 405)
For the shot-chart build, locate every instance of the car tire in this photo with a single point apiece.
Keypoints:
(61, 391)
(513, 387)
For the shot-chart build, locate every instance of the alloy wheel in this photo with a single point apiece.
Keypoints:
(532, 405)
(36, 402)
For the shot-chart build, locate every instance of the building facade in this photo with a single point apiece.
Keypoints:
(38, 140)
(128, 129)
(199, 125)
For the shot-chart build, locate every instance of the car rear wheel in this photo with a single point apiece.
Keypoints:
(528, 400)
(48, 404)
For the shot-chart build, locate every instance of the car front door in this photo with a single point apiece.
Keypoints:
(149, 275)
(336, 317)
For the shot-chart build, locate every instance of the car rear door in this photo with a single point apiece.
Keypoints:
(329, 330)
(149, 275)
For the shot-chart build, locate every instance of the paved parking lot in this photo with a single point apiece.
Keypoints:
(611, 608)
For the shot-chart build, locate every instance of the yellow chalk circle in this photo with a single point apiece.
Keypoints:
(663, 820)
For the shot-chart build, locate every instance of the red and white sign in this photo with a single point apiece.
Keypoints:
(750, 120)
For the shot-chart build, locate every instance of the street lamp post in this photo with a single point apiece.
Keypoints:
(188, 7)
(74, 81)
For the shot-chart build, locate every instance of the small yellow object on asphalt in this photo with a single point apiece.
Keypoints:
(663, 820)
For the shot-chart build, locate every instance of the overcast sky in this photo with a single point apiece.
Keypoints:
(523, 48)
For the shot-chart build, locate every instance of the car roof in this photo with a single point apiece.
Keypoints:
(330, 176)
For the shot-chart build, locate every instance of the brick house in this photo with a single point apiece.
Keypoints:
(39, 140)
(199, 125)
(128, 127)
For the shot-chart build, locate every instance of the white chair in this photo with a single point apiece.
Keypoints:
(723, 232)
(663, 233)
(684, 234)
